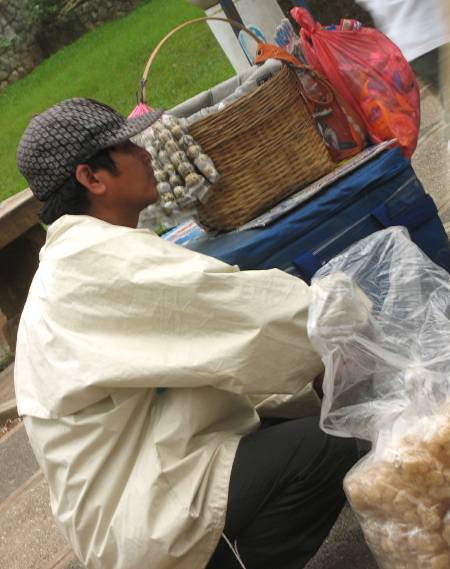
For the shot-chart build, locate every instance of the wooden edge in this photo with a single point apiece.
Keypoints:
(7, 372)
(17, 214)
(17, 200)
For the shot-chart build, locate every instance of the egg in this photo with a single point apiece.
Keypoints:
(161, 176)
(169, 169)
(175, 180)
(193, 179)
(193, 151)
(163, 188)
(177, 131)
(163, 156)
(185, 168)
(186, 140)
(179, 192)
(168, 197)
(171, 146)
(178, 157)
(207, 168)
(165, 136)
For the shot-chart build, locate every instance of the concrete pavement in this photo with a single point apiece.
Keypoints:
(431, 160)
(29, 538)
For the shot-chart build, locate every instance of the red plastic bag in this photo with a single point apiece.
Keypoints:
(370, 73)
(340, 127)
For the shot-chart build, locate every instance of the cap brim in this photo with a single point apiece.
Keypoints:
(135, 126)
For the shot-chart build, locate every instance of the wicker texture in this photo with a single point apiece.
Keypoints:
(265, 146)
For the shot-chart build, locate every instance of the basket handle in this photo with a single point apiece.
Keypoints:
(233, 23)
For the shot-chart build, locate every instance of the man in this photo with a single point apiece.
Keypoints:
(135, 363)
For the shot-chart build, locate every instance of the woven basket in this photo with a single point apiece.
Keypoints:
(265, 146)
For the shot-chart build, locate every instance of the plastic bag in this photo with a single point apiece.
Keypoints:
(341, 129)
(370, 73)
(380, 318)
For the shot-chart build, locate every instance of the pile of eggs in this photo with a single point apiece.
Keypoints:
(183, 172)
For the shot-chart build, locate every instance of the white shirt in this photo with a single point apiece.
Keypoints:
(415, 26)
(139, 476)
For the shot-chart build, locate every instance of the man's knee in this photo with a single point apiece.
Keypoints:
(321, 456)
(345, 453)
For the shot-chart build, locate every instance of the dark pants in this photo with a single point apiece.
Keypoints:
(285, 495)
(428, 68)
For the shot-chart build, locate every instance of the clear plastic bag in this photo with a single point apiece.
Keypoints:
(380, 318)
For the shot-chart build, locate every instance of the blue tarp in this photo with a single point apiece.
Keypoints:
(381, 193)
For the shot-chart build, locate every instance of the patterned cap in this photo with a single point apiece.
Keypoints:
(67, 134)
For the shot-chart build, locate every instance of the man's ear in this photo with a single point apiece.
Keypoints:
(91, 180)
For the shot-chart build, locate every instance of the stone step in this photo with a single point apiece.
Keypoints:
(8, 409)
(17, 462)
(29, 538)
(68, 562)
(7, 384)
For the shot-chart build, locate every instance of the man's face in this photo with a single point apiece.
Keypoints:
(134, 185)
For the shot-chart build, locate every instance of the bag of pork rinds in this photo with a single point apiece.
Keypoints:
(380, 318)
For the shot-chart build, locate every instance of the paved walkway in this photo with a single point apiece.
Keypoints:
(431, 160)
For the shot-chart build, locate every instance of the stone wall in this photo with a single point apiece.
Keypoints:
(18, 52)
(26, 38)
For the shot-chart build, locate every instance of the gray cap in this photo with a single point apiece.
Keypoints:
(68, 133)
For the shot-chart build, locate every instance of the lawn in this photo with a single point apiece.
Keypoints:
(106, 64)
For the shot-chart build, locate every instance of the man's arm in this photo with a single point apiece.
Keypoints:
(146, 313)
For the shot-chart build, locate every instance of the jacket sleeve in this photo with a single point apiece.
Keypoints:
(136, 311)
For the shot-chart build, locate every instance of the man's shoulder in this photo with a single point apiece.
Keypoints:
(74, 234)
(86, 226)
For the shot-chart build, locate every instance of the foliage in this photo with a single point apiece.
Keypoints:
(44, 10)
(106, 64)
(6, 358)
(6, 43)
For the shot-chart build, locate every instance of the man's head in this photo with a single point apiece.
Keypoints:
(77, 158)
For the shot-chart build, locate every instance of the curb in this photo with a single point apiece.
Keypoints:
(68, 557)
(8, 410)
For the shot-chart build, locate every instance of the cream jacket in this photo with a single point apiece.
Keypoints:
(136, 360)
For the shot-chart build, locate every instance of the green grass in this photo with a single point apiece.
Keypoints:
(106, 64)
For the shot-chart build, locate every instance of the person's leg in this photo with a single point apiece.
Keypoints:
(431, 69)
(426, 68)
(285, 495)
(444, 87)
